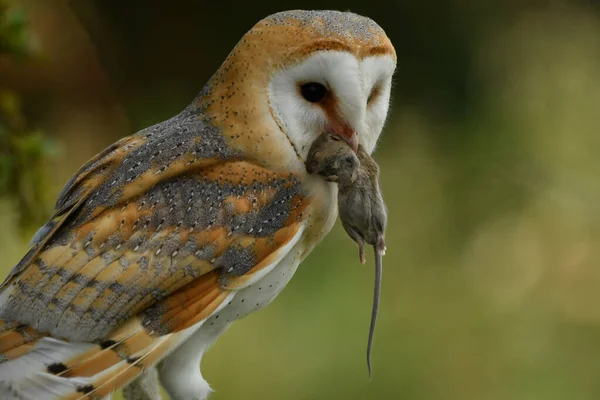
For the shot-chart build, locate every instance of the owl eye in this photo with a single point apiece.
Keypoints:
(313, 91)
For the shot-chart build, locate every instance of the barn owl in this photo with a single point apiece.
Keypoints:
(166, 237)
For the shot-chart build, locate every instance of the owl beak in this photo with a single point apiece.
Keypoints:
(346, 133)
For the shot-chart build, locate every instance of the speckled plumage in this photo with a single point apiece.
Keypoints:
(163, 239)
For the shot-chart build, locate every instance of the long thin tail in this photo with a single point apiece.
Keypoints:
(379, 250)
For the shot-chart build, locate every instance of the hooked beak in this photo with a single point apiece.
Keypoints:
(345, 133)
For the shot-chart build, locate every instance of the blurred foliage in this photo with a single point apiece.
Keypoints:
(14, 38)
(23, 151)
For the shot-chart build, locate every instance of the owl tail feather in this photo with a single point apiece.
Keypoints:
(34, 366)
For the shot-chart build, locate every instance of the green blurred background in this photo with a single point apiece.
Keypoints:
(490, 166)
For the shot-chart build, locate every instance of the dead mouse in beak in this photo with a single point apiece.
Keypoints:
(333, 159)
(362, 210)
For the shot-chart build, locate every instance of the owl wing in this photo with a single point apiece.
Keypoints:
(150, 238)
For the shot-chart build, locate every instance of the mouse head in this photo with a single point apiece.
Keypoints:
(333, 159)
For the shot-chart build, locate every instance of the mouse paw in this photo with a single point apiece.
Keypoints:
(381, 247)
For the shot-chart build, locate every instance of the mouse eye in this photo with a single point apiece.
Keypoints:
(313, 91)
(350, 161)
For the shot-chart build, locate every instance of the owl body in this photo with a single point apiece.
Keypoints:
(179, 371)
(166, 237)
(181, 368)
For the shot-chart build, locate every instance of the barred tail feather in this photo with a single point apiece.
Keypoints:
(55, 369)
(37, 366)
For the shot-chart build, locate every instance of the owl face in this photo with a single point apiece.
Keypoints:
(297, 74)
(333, 91)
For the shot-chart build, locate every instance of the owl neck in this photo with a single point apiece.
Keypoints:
(241, 112)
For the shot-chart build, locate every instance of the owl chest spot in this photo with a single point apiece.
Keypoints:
(259, 294)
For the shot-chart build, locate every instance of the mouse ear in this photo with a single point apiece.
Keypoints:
(311, 166)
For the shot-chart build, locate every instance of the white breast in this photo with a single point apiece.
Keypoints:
(262, 292)
(179, 372)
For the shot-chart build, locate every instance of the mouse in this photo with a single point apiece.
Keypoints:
(362, 210)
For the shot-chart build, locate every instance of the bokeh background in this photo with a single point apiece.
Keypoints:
(490, 166)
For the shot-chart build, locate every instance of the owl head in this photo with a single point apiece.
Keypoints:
(297, 74)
